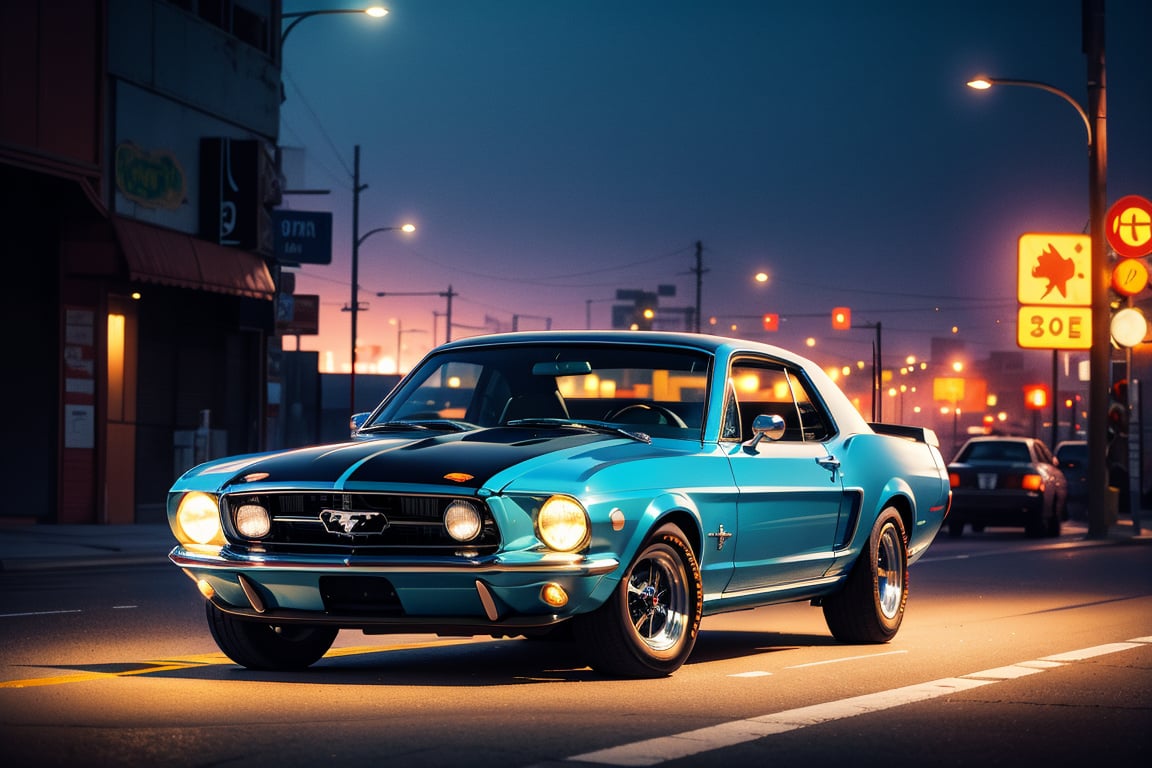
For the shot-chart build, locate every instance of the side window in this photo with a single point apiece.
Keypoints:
(730, 428)
(766, 387)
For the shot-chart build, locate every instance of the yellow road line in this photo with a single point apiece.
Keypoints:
(211, 659)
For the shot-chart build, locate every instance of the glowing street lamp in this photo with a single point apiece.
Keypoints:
(375, 11)
(1100, 354)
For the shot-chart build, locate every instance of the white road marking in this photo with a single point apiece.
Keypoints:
(1099, 650)
(36, 613)
(845, 658)
(681, 745)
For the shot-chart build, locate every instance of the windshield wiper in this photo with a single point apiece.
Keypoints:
(450, 425)
(386, 426)
(446, 425)
(589, 426)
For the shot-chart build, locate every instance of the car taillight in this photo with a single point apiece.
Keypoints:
(1032, 483)
(953, 480)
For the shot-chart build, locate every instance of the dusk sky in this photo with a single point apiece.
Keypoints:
(551, 152)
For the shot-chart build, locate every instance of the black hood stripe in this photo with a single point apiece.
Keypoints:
(426, 461)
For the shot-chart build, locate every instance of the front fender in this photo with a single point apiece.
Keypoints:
(674, 507)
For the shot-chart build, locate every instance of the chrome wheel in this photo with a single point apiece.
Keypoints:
(648, 627)
(869, 607)
(890, 571)
(658, 606)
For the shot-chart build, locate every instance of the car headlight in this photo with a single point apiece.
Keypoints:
(253, 521)
(562, 524)
(199, 518)
(462, 520)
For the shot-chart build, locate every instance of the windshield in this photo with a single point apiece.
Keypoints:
(656, 390)
(999, 451)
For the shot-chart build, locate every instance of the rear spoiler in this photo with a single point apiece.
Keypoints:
(919, 434)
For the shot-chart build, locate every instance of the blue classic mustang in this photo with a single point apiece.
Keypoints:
(615, 485)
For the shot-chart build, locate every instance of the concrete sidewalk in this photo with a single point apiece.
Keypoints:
(48, 547)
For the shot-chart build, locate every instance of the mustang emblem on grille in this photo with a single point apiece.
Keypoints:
(345, 521)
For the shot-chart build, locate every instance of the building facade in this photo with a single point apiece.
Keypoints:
(137, 141)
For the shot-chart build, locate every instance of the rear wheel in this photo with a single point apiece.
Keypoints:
(870, 607)
(648, 627)
(257, 645)
(1052, 527)
(1037, 524)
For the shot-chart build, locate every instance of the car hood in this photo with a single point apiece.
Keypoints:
(465, 460)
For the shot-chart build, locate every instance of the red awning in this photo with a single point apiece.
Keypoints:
(169, 257)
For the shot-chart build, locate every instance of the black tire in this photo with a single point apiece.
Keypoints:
(648, 627)
(870, 606)
(1052, 529)
(256, 645)
(1037, 524)
(956, 528)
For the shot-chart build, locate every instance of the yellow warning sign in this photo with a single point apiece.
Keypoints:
(1054, 327)
(1054, 270)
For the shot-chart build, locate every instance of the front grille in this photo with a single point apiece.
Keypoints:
(359, 523)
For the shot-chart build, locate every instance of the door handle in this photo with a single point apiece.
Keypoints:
(830, 463)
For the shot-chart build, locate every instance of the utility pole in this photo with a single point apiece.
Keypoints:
(442, 294)
(1100, 357)
(448, 314)
(699, 272)
(354, 305)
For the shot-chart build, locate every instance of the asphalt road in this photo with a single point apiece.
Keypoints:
(1012, 650)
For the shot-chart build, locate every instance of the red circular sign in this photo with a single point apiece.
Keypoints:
(1128, 226)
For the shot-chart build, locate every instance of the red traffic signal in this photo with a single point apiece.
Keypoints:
(841, 318)
(1035, 397)
(771, 321)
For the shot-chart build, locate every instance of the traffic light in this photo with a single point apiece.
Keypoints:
(1117, 425)
(1035, 397)
(771, 321)
(841, 318)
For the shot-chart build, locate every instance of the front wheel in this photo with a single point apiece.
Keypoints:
(257, 645)
(870, 606)
(648, 627)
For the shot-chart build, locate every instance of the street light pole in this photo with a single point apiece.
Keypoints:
(877, 370)
(400, 331)
(358, 240)
(375, 12)
(1099, 360)
(443, 294)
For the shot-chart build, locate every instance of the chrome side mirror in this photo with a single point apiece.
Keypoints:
(769, 425)
(357, 421)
